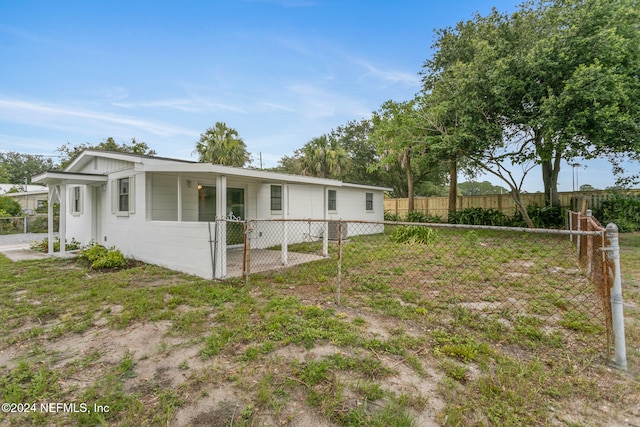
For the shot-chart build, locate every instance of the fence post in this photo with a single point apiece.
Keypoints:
(339, 261)
(589, 245)
(578, 222)
(246, 259)
(325, 239)
(284, 248)
(613, 253)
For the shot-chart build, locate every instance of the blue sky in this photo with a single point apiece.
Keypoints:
(281, 72)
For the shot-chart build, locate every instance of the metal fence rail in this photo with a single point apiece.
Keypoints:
(500, 272)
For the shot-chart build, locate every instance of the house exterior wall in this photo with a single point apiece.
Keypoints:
(310, 202)
(103, 165)
(29, 201)
(79, 222)
(162, 227)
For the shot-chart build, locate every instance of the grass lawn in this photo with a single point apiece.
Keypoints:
(476, 328)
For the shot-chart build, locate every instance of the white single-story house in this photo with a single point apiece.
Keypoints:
(163, 211)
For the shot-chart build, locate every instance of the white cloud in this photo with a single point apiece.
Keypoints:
(78, 119)
(387, 76)
(187, 105)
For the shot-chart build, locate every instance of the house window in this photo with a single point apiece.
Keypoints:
(369, 201)
(332, 205)
(276, 197)
(123, 195)
(76, 201)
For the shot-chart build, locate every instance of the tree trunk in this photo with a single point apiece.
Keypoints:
(515, 195)
(550, 169)
(409, 183)
(453, 185)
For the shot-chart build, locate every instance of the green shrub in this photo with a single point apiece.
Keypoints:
(414, 234)
(479, 216)
(417, 216)
(622, 210)
(100, 257)
(7, 225)
(38, 225)
(542, 217)
(43, 245)
(112, 259)
(9, 207)
(93, 252)
(390, 216)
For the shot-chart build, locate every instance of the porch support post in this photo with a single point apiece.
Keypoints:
(285, 225)
(51, 200)
(179, 198)
(63, 218)
(221, 227)
(325, 225)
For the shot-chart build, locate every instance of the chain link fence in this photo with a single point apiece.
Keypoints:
(26, 224)
(553, 277)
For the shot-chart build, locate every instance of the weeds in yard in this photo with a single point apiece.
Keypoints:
(505, 332)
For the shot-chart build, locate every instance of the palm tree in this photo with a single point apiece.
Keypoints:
(323, 157)
(221, 145)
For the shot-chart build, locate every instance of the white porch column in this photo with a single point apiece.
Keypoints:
(51, 201)
(325, 228)
(179, 197)
(221, 227)
(62, 195)
(285, 225)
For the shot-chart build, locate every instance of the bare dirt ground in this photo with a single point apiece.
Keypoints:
(166, 371)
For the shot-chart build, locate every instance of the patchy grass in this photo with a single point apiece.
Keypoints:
(476, 328)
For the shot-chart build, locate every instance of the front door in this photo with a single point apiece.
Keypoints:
(235, 210)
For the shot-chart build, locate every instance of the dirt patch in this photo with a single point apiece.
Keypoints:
(219, 408)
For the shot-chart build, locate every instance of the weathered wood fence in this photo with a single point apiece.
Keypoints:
(439, 206)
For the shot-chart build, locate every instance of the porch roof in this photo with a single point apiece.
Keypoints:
(57, 177)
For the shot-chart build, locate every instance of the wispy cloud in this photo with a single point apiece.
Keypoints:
(187, 105)
(387, 76)
(317, 102)
(38, 39)
(63, 116)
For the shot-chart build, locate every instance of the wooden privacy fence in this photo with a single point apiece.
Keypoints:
(439, 206)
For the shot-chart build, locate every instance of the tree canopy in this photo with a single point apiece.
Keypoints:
(16, 167)
(221, 145)
(554, 80)
(69, 152)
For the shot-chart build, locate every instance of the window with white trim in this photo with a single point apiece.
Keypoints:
(76, 200)
(123, 195)
(276, 197)
(332, 198)
(368, 201)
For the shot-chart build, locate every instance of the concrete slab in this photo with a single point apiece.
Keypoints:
(21, 252)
